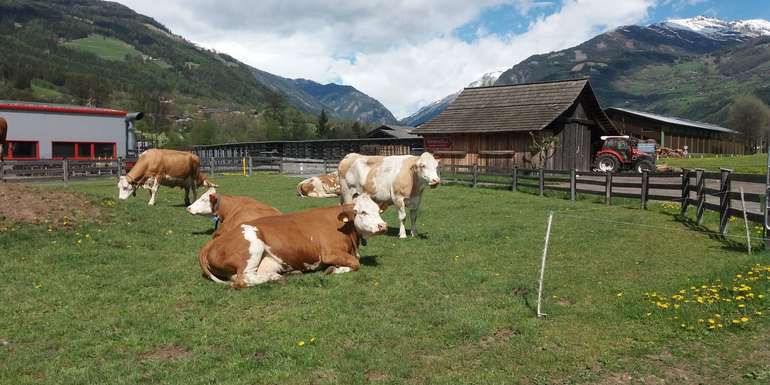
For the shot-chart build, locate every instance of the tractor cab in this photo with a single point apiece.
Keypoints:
(622, 153)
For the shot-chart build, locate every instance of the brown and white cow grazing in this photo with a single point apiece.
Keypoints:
(170, 168)
(322, 186)
(260, 251)
(229, 211)
(3, 142)
(397, 180)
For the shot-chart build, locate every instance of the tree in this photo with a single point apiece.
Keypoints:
(322, 127)
(751, 117)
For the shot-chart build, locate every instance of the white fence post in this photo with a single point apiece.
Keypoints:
(540, 314)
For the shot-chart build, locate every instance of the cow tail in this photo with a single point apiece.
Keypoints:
(204, 262)
(299, 189)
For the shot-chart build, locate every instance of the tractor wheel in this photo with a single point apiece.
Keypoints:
(644, 165)
(607, 163)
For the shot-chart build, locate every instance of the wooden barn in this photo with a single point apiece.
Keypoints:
(392, 131)
(500, 126)
(676, 133)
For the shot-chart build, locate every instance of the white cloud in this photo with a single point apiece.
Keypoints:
(402, 53)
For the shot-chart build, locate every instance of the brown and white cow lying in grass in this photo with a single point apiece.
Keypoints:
(322, 186)
(169, 168)
(260, 251)
(229, 211)
(397, 180)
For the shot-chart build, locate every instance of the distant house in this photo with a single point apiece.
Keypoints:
(676, 133)
(494, 126)
(392, 131)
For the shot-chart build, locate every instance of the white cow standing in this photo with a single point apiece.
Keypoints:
(397, 180)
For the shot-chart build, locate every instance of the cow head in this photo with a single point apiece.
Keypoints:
(204, 205)
(125, 188)
(365, 215)
(426, 168)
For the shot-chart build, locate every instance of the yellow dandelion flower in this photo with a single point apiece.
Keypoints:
(735, 321)
(619, 294)
(761, 296)
(758, 312)
(738, 276)
(712, 321)
(720, 325)
(648, 314)
(300, 343)
(676, 306)
(699, 300)
(312, 340)
(741, 305)
(684, 326)
(717, 315)
(744, 319)
(739, 298)
(701, 320)
(676, 317)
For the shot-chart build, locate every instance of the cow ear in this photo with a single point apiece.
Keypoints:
(346, 216)
(214, 201)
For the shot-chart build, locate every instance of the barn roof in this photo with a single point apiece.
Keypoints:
(519, 107)
(672, 120)
(394, 131)
(58, 108)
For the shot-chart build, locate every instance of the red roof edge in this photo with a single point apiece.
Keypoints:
(62, 109)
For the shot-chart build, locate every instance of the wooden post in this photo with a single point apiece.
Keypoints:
(572, 185)
(118, 166)
(2, 170)
(541, 181)
(211, 166)
(514, 177)
(280, 166)
(475, 175)
(699, 182)
(251, 165)
(326, 167)
(66, 170)
(645, 189)
(685, 190)
(608, 188)
(542, 266)
(724, 199)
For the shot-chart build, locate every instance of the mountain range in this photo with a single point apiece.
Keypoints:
(691, 68)
(103, 53)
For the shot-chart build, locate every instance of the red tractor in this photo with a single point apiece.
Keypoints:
(622, 153)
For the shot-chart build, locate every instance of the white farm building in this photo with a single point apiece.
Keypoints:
(41, 131)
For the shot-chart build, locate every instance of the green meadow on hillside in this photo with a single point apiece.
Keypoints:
(123, 302)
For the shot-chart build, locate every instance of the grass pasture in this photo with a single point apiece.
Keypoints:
(123, 302)
(744, 164)
(107, 48)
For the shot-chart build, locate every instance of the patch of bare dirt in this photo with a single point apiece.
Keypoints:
(165, 353)
(20, 203)
(376, 375)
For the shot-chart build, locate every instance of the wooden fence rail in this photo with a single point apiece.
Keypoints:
(31, 170)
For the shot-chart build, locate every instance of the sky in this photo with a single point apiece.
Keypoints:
(408, 53)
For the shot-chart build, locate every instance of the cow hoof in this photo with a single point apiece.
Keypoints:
(402, 236)
(329, 270)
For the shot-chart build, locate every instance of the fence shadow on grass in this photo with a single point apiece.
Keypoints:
(727, 243)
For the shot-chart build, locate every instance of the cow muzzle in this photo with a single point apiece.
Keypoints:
(434, 182)
(382, 227)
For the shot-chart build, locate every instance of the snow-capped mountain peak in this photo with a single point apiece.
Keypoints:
(487, 79)
(718, 29)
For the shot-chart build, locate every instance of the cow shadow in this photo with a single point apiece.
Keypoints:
(393, 232)
(369, 260)
(204, 232)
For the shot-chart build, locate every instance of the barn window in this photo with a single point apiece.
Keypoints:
(104, 150)
(22, 149)
(84, 150)
(63, 150)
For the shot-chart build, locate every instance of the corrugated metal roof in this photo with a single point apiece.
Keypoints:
(58, 108)
(520, 107)
(674, 120)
